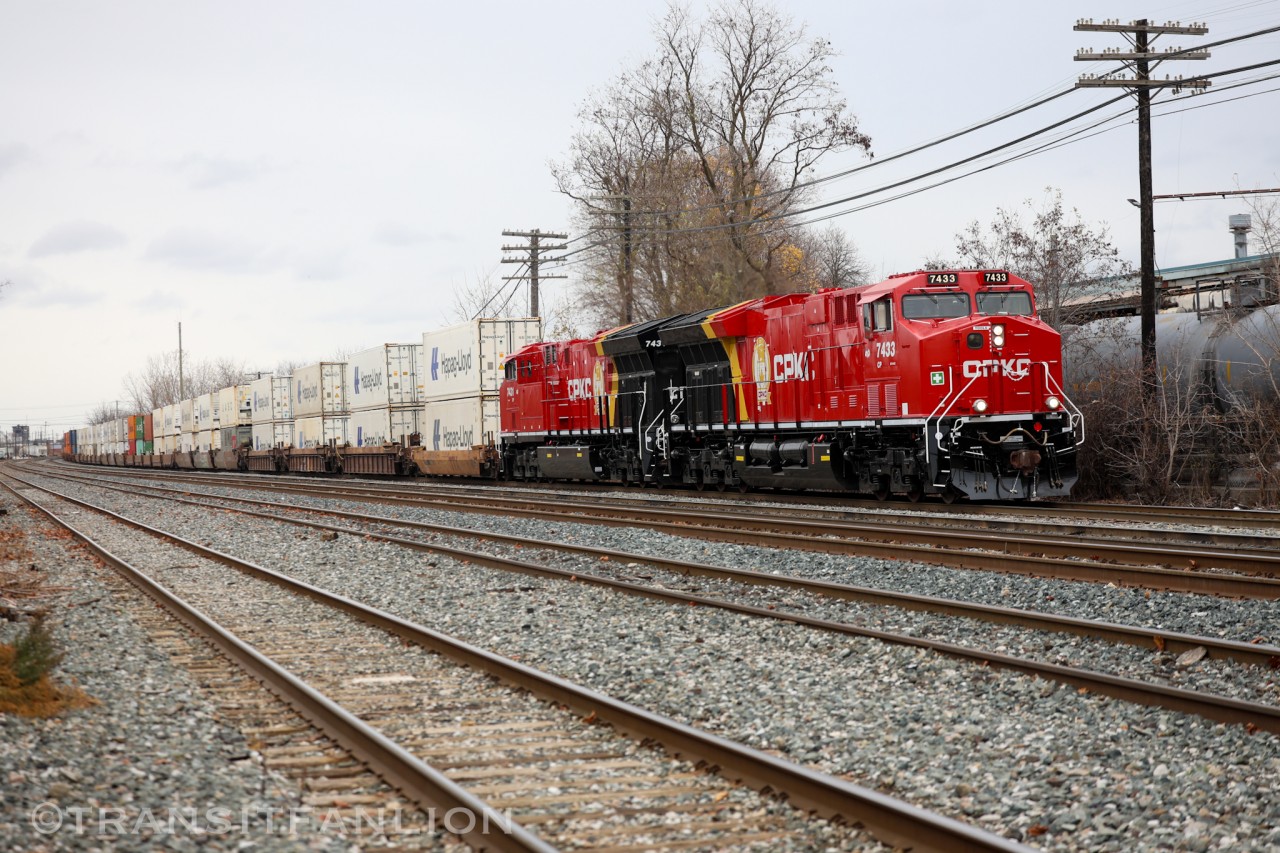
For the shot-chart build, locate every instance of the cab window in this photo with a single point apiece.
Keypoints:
(1014, 302)
(878, 316)
(935, 306)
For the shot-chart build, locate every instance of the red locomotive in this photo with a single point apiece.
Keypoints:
(929, 383)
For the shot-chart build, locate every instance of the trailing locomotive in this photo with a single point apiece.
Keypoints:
(928, 383)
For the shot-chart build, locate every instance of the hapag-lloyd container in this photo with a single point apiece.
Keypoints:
(272, 434)
(384, 376)
(319, 389)
(319, 431)
(376, 427)
(466, 360)
(234, 406)
(269, 400)
(460, 424)
(206, 406)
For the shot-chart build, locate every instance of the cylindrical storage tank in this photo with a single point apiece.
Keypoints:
(466, 360)
(320, 390)
(1246, 358)
(1107, 351)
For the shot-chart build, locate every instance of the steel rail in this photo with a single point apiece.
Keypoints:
(1254, 654)
(425, 786)
(1093, 571)
(1218, 708)
(890, 820)
(1020, 525)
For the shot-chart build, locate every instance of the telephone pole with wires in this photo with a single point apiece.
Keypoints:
(1140, 34)
(535, 248)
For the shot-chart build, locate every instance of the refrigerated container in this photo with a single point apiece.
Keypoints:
(374, 427)
(272, 434)
(461, 423)
(235, 406)
(319, 389)
(188, 416)
(206, 406)
(236, 437)
(466, 360)
(384, 376)
(269, 400)
(319, 431)
(208, 439)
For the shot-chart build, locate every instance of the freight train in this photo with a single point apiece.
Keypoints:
(933, 382)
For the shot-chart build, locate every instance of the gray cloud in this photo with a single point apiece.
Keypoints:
(208, 172)
(13, 155)
(195, 250)
(79, 236)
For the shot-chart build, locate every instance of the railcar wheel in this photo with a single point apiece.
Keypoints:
(721, 486)
(700, 483)
(949, 495)
(881, 494)
(743, 487)
(915, 495)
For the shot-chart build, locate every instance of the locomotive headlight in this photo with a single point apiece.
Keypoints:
(1052, 404)
(979, 406)
(997, 335)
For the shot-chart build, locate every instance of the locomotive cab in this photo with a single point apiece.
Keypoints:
(989, 380)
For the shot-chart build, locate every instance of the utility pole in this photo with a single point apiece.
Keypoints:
(535, 250)
(182, 385)
(1140, 34)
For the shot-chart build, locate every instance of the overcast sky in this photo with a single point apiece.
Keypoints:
(289, 178)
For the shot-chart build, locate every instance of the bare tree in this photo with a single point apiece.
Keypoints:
(103, 412)
(484, 296)
(1060, 254)
(157, 383)
(684, 167)
(834, 259)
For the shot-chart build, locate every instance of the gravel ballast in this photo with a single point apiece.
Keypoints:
(1017, 755)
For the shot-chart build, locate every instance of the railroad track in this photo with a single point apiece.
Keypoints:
(1223, 709)
(1239, 572)
(494, 747)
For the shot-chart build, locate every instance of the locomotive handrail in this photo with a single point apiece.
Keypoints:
(1078, 417)
(945, 407)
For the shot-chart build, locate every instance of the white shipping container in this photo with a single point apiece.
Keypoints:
(466, 360)
(319, 431)
(384, 376)
(157, 423)
(208, 439)
(188, 416)
(460, 424)
(320, 389)
(375, 427)
(269, 400)
(234, 406)
(272, 434)
(186, 442)
(206, 411)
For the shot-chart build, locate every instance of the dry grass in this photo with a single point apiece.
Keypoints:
(26, 686)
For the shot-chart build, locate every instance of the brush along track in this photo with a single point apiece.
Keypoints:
(1199, 570)
(1224, 709)
(517, 745)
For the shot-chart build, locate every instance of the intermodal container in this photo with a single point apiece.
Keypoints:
(269, 399)
(320, 431)
(375, 427)
(149, 427)
(319, 390)
(235, 437)
(384, 376)
(466, 360)
(234, 406)
(146, 446)
(272, 434)
(206, 411)
(208, 439)
(460, 424)
(188, 416)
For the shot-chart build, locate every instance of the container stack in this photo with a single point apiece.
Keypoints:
(235, 412)
(207, 436)
(147, 438)
(462, 373)
(319, 401)
(271, 414)
(187, 426)
(384, 393)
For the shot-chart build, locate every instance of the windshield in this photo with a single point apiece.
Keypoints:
(935, 306)
(1016, 302)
